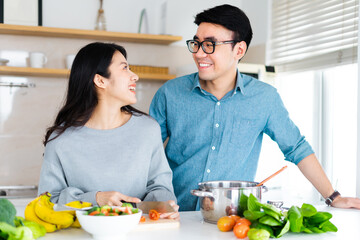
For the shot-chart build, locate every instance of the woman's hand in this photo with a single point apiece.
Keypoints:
(113, 198)
(172, 215)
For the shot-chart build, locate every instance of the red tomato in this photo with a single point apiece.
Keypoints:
(240, 230)
(225, 223)
(154, 215)
(244, 221)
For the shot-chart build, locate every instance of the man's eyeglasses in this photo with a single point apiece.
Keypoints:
(207, 46)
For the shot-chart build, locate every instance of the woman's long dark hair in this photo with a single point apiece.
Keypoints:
(81, 98)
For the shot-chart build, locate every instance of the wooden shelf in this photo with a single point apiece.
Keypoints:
(87, 34)
(64, 73)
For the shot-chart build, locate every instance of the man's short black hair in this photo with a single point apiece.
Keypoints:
(229, 17)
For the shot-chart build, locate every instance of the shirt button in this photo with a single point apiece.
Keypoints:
(208, 171)
(217, 125)
(213, 147)
(218, 103)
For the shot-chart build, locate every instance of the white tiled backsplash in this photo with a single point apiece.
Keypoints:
(24, 115)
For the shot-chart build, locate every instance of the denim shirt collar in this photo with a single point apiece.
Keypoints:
(238, 86)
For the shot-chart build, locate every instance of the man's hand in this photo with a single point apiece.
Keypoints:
(346, 202)
(113, 198)
(173, 215)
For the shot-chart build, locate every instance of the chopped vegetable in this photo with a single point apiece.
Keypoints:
(111, 211)
(142, 219)
(154, 215)
(125, 204)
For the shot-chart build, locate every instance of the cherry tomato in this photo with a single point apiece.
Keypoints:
(225, 223)
(240, 230)
(244, 221)
(142, 219)
(154, 215)
(235, 217)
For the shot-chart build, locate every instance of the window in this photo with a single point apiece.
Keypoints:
(307, 35)
(313, 45)
(340, 126)
(323, 104)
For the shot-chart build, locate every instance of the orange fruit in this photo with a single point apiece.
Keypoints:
(226, 223)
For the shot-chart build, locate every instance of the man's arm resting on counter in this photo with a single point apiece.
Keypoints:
(313, 171)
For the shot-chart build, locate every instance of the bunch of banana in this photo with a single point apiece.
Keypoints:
(41, 210)
(31, 216)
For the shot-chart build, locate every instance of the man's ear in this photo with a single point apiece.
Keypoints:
(99, 81)
(240, 48)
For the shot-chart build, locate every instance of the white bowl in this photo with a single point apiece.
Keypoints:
(3, 61)
(108, 227)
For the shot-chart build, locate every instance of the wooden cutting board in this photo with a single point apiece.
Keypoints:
(158, 224)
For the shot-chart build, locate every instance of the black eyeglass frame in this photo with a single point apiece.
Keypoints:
(214, 43)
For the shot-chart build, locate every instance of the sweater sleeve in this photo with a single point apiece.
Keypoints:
(53, 180)
(159, 184)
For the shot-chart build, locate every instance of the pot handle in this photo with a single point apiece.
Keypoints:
(200, 193)
(264, 188)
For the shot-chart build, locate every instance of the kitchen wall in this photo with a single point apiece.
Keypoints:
(25, 113)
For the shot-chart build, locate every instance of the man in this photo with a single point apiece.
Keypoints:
(215, 118)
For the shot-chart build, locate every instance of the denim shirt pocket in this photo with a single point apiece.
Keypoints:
(245, 131)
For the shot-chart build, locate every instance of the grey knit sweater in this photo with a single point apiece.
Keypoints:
(129, 159)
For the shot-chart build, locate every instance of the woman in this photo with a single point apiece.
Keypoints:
(100, 149)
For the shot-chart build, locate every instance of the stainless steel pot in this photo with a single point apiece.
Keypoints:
(222, 198)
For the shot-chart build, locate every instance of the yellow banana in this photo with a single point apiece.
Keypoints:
(76, 224)
(74, 204)
(44, 210)
(66, 226)
(31, 216)
(78, 204)
(86, 204)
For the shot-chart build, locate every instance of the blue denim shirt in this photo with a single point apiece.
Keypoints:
(221, 140)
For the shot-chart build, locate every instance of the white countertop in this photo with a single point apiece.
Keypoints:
(193, 227)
